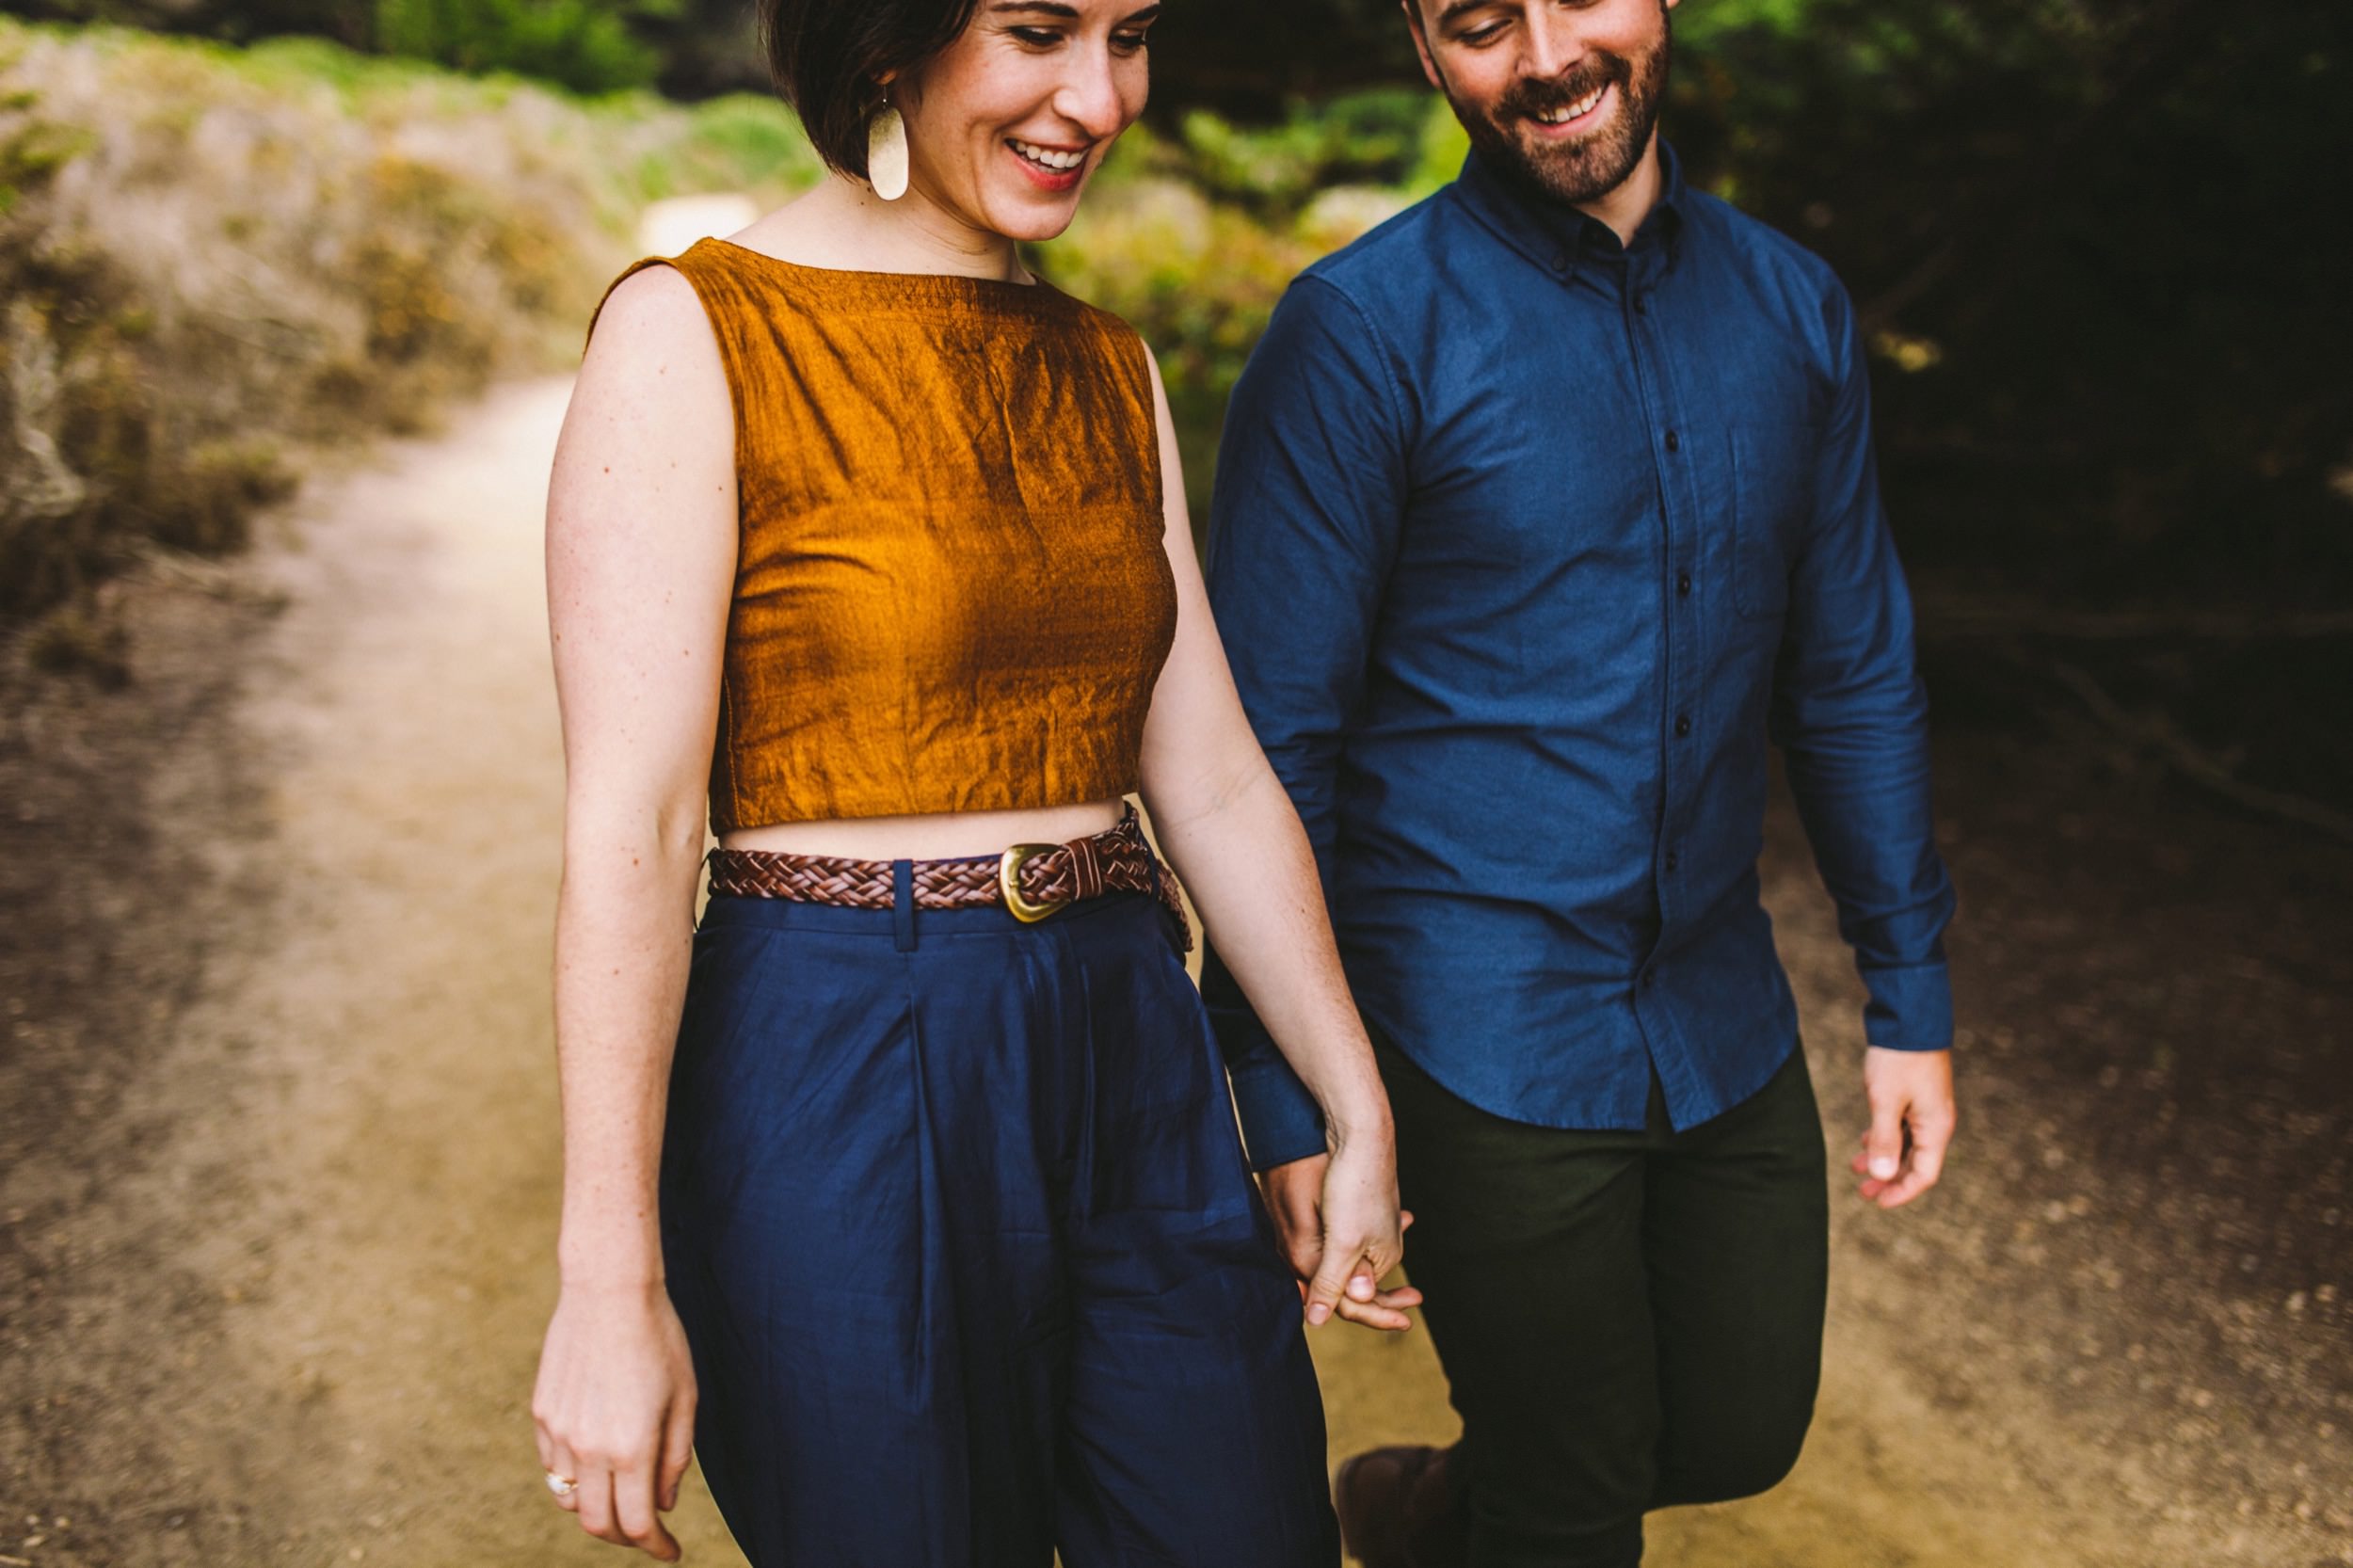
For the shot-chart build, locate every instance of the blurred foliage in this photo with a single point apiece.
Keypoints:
(211, 256)
(1359, 139)
(1246, 59)
(1254, 59)
(586, 45)
(2101, 245)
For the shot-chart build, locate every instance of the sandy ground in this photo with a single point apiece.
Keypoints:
(279, 1163)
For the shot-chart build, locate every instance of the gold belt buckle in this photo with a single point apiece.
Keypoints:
(1027, 911)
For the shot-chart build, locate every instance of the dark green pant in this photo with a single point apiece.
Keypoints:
(1628, 1320)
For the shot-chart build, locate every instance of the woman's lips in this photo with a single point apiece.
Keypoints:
(1039, 162)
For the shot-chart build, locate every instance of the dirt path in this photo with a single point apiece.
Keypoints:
(276, 1288)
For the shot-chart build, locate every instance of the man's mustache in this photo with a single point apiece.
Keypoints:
(1534, 95)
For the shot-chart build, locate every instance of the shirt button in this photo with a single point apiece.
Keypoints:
(1649, 977)
(1641, 306)
(1560, 261)
(1683, 724)
(1674, 441)
(1683, 584)
(1673, 860)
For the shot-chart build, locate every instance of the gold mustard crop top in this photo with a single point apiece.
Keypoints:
(951, 589)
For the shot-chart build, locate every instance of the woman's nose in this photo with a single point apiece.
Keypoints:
(1089, 96)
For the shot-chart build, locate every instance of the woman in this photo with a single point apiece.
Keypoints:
(921, 1143)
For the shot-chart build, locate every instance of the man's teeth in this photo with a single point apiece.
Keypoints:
(1046, 157)
(1584, 106)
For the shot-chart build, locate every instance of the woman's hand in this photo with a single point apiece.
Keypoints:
(1362, 1237)
(615, 1409)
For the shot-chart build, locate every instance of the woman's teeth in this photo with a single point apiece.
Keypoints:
(1577, 110)
(1047, 158)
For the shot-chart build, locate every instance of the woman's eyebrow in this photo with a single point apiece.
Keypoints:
(1066, 13)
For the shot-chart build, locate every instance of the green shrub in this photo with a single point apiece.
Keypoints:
(1371, 138)
(574, 43)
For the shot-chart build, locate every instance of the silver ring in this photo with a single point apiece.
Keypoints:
(563, 1486)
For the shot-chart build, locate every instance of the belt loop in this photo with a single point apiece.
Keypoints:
(902, 904)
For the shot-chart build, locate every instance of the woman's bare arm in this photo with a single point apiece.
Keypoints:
(1223, 818)
(641, 560)
(640, 556)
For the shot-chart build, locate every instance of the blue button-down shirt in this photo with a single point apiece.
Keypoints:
(1523, 546)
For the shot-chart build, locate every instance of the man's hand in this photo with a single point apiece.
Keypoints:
(1910, 1095)
(1294, 1196)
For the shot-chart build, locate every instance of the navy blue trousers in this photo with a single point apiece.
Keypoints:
(955, 1213)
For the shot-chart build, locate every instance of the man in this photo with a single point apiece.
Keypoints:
(1541, 509)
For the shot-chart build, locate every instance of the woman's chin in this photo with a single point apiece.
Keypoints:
(1031, 222)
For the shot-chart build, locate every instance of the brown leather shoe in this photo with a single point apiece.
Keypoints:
(1399, 1508)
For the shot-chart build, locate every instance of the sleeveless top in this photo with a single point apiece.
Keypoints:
(950, 588)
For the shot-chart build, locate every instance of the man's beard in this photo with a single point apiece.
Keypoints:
(1586, 169)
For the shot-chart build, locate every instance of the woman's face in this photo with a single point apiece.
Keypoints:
(1006, 125)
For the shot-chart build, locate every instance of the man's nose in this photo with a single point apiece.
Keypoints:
(1555, 42)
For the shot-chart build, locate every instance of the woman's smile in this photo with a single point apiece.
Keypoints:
(1050, 167)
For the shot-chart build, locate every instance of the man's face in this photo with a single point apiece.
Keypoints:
(1563, 94)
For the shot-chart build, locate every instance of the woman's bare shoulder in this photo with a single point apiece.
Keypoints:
(651, 413)
(652, 312)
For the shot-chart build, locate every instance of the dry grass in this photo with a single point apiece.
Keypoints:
(212, 257)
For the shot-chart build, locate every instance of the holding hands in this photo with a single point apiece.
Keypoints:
(1337, 1218)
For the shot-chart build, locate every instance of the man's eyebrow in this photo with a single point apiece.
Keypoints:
(1453, 9)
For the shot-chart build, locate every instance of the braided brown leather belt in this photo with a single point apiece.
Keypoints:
(1031, 880)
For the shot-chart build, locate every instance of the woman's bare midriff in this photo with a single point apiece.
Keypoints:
(937, 836)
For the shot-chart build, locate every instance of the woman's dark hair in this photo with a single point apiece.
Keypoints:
(827, 57)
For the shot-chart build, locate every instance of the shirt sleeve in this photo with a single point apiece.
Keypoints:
(1850, 715)
(1304, 522)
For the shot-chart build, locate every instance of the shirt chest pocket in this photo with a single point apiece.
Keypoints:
(1773, 465)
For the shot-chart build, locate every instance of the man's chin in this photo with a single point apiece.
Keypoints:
(1572, 172)
(1564, 180)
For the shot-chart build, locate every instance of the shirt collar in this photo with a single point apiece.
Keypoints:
(1559, 238)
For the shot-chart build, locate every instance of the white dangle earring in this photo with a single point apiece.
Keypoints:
(887, 152)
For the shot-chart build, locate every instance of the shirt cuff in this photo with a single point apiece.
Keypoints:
(1910, 1007)
(1280, 1120)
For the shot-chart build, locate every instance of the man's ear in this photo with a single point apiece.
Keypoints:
(1421, 42)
